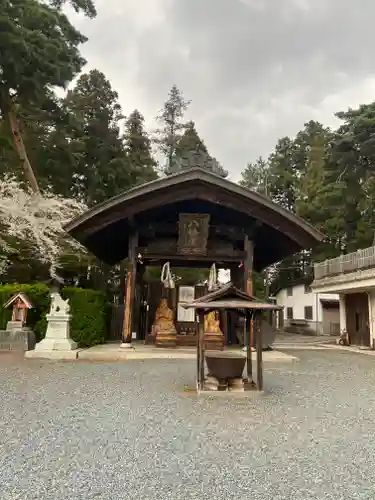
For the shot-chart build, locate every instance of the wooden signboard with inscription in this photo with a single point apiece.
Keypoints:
(193, 234)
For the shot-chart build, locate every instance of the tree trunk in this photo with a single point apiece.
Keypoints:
(21, 150)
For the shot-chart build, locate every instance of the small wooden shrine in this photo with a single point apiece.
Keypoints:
(193, 218)
(226, 369)
(20, 305)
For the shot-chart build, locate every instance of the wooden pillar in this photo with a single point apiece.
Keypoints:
(258, 328)
(249, 361)
(200, 351)
(248, 265)
(248, 278)
(130, 290)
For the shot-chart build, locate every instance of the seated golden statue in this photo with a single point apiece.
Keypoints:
(211, 323)
(164, 318)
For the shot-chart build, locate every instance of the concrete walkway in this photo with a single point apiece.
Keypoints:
(113, 352)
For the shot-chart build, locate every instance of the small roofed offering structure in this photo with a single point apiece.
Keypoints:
(20, 304)
(226, 367)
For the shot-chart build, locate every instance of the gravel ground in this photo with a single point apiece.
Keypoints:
(130, 431)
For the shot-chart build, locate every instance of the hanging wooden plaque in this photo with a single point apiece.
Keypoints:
(193, 234)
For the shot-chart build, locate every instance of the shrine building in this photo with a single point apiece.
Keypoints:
(192, 218)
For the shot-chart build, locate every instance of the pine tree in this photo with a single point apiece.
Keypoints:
(283, 175)
(39, 50)
(138, 149)
(172, 125)
(99, 168)
(256, 176)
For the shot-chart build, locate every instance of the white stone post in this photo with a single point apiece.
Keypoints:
(342, 312)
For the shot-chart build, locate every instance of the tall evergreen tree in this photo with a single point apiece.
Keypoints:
(39, 49)
(171, 124)
(99, 166)
(138, 149)
(256, 176)
(283, 175)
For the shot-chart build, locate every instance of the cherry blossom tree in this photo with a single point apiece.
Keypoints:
(37, 221)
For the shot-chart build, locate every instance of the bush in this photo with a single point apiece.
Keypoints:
(87, 307)
(39, 295)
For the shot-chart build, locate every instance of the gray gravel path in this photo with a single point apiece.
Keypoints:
(129, 431)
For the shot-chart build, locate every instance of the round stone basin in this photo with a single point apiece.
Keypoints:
(224, 365)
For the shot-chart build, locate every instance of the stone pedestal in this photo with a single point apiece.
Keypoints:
(211, 384)
(166, 339)
(57, 343)
(57, 335)
(126, 345)
(13, 326)
(236, 385)
(16, 338)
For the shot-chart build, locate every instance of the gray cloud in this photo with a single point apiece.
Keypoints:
(255, 69)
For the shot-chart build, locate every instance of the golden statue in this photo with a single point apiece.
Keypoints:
(211, 324)
(164, 318)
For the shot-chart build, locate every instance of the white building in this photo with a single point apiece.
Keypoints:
(352, 276)
(304, 308)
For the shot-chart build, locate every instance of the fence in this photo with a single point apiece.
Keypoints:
(351, 262)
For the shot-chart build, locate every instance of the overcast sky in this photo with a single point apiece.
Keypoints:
(255, 70)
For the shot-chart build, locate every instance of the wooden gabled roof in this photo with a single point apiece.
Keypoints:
(227, 291)
(104, 229)
(230, 297)
(21, 296)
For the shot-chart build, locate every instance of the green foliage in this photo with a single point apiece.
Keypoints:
(192, 151)
(325, 177)
(171, 124)
(138, 152)
(256, 176)
(39, 294)
(39, 48)
(88, 309)
(98, 168)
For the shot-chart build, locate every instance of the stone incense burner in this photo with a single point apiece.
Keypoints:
(225, 365)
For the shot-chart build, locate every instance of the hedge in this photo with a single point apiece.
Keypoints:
(87, 307)
(39, 295)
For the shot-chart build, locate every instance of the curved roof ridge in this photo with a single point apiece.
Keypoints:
(193, 173)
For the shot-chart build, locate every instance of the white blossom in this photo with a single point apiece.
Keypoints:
(37, 221)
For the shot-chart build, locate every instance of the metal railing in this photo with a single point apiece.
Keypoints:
(349, 263)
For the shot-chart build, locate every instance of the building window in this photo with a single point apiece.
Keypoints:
(289, 291)
(289, 312)
(308, 289)
(308, 312)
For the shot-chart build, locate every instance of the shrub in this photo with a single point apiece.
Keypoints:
(39, 294)
(88, 309)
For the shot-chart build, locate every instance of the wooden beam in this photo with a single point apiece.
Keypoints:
(182, 260)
